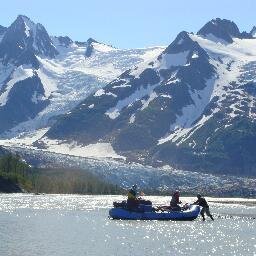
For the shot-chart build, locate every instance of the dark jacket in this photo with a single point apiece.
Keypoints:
(201, 202)
(175, 200)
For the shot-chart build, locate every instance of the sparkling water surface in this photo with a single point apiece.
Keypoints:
(67, 225)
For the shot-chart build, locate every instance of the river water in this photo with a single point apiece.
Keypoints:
(64, 225)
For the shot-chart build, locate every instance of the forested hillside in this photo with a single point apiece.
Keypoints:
(17, 176)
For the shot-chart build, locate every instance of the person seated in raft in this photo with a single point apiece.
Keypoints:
(203, 203)
(174, 203)
(133, 200)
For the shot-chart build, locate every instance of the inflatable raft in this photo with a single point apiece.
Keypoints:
(125, 214)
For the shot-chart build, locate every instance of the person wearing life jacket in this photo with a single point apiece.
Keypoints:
(133, 192)
(133, 200)
(203, 203)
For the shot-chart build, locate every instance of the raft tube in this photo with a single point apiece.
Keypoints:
(125, 214)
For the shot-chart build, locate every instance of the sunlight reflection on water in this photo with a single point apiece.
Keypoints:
(79, 225)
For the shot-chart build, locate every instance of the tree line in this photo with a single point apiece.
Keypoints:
(65, 181)
(71, 181)
(15, 170)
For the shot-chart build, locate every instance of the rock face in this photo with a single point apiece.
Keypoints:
(64, 41)
(22, 93)
(89, 48)
(43, 77)
(222, 30)
(23, 40)
(192, 107)
(26, 99)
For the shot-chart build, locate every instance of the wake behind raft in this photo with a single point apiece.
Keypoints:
(145, 211)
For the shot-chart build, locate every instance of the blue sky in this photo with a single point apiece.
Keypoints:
(128, 24)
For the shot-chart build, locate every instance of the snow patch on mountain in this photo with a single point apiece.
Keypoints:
(148, 61)
(239, 50)
(145, 103)
(27, 30)
(97, 150)
(48, 81)
(151, 53)
(102, 47)
(167, 61)
(215, 39)
(24, 139)
(191, 112)
(132, 119)
(121, 86)
(29, 26)
(99, 93)
(166, 96)
(21, 73)
(37, 97)
(181, 135)
(195, 55)
(174, 60)
(141, 92)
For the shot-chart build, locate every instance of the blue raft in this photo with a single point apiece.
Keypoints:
(121, 213)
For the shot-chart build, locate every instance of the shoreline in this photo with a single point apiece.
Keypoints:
(246, 203)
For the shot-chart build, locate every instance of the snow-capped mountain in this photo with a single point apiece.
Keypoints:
(42, 76)
(223, 31)
(23, 40)
(192, 106)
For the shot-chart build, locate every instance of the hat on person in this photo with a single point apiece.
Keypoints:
(135, 186)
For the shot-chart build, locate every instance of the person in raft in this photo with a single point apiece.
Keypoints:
(174, 203)
(133, 200)
(203, 203)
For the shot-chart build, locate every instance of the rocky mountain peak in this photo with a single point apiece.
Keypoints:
(23, 40)
(220, 30)
(91, 40)
(64, 41)
(181, 43)
(90, 48)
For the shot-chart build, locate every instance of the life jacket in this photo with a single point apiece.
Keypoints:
(132, 195)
